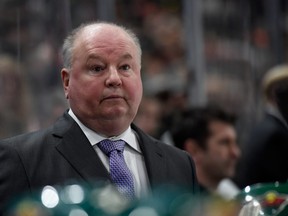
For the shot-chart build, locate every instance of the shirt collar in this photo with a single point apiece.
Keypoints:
(128, 136)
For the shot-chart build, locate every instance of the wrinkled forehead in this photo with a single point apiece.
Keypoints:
(104, 36)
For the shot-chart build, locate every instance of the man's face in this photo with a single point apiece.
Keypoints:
(222, 152)
(104, 85)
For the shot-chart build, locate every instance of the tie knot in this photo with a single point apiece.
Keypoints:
(107, 146)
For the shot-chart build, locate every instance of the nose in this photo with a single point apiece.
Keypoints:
(113, 78)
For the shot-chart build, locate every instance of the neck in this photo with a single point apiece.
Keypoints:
(108, 129)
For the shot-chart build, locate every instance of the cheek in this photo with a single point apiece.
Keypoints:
(136, 91)
(216, 155)
(81, 90)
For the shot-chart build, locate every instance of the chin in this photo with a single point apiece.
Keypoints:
(115, 115)
(116, 111)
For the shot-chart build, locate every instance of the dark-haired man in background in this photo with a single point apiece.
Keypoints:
(209, 135)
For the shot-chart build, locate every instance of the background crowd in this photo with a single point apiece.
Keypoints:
(222, 61)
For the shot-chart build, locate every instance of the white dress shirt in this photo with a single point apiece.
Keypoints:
(132, 154)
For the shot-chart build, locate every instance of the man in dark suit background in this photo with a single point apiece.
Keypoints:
(264, 158)
(102, 82)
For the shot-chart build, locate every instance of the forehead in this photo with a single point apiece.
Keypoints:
(219, 127)
(108, 38)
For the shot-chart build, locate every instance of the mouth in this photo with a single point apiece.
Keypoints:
(112, 97)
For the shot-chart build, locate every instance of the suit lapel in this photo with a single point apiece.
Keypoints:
(77, 150)
(154, 158)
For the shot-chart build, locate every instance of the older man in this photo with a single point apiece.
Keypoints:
(102, 82)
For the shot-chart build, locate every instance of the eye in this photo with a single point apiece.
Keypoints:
(125, 67)
(96, 68)
(225, 142)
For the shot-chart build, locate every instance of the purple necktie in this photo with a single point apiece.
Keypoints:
(119, 172)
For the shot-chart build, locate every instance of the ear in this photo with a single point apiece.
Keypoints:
(191, 147)
(65, 75)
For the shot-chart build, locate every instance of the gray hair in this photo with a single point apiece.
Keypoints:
(68, 45)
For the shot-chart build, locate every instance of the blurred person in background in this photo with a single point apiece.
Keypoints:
(149, 115)
(265, 153)
(209, 136)
(14, 98)
(102, 82)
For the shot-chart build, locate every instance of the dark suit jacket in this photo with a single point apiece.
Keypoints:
(264, 157)
(62, 152)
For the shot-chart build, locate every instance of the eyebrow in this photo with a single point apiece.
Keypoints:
(126, 56)
(94, 56)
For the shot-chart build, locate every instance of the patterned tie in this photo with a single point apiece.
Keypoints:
(119, 172)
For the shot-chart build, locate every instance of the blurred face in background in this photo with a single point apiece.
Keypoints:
(149, 116)
(104, 86)
(219, 158)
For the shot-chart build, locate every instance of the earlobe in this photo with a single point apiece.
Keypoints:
(65, 75)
